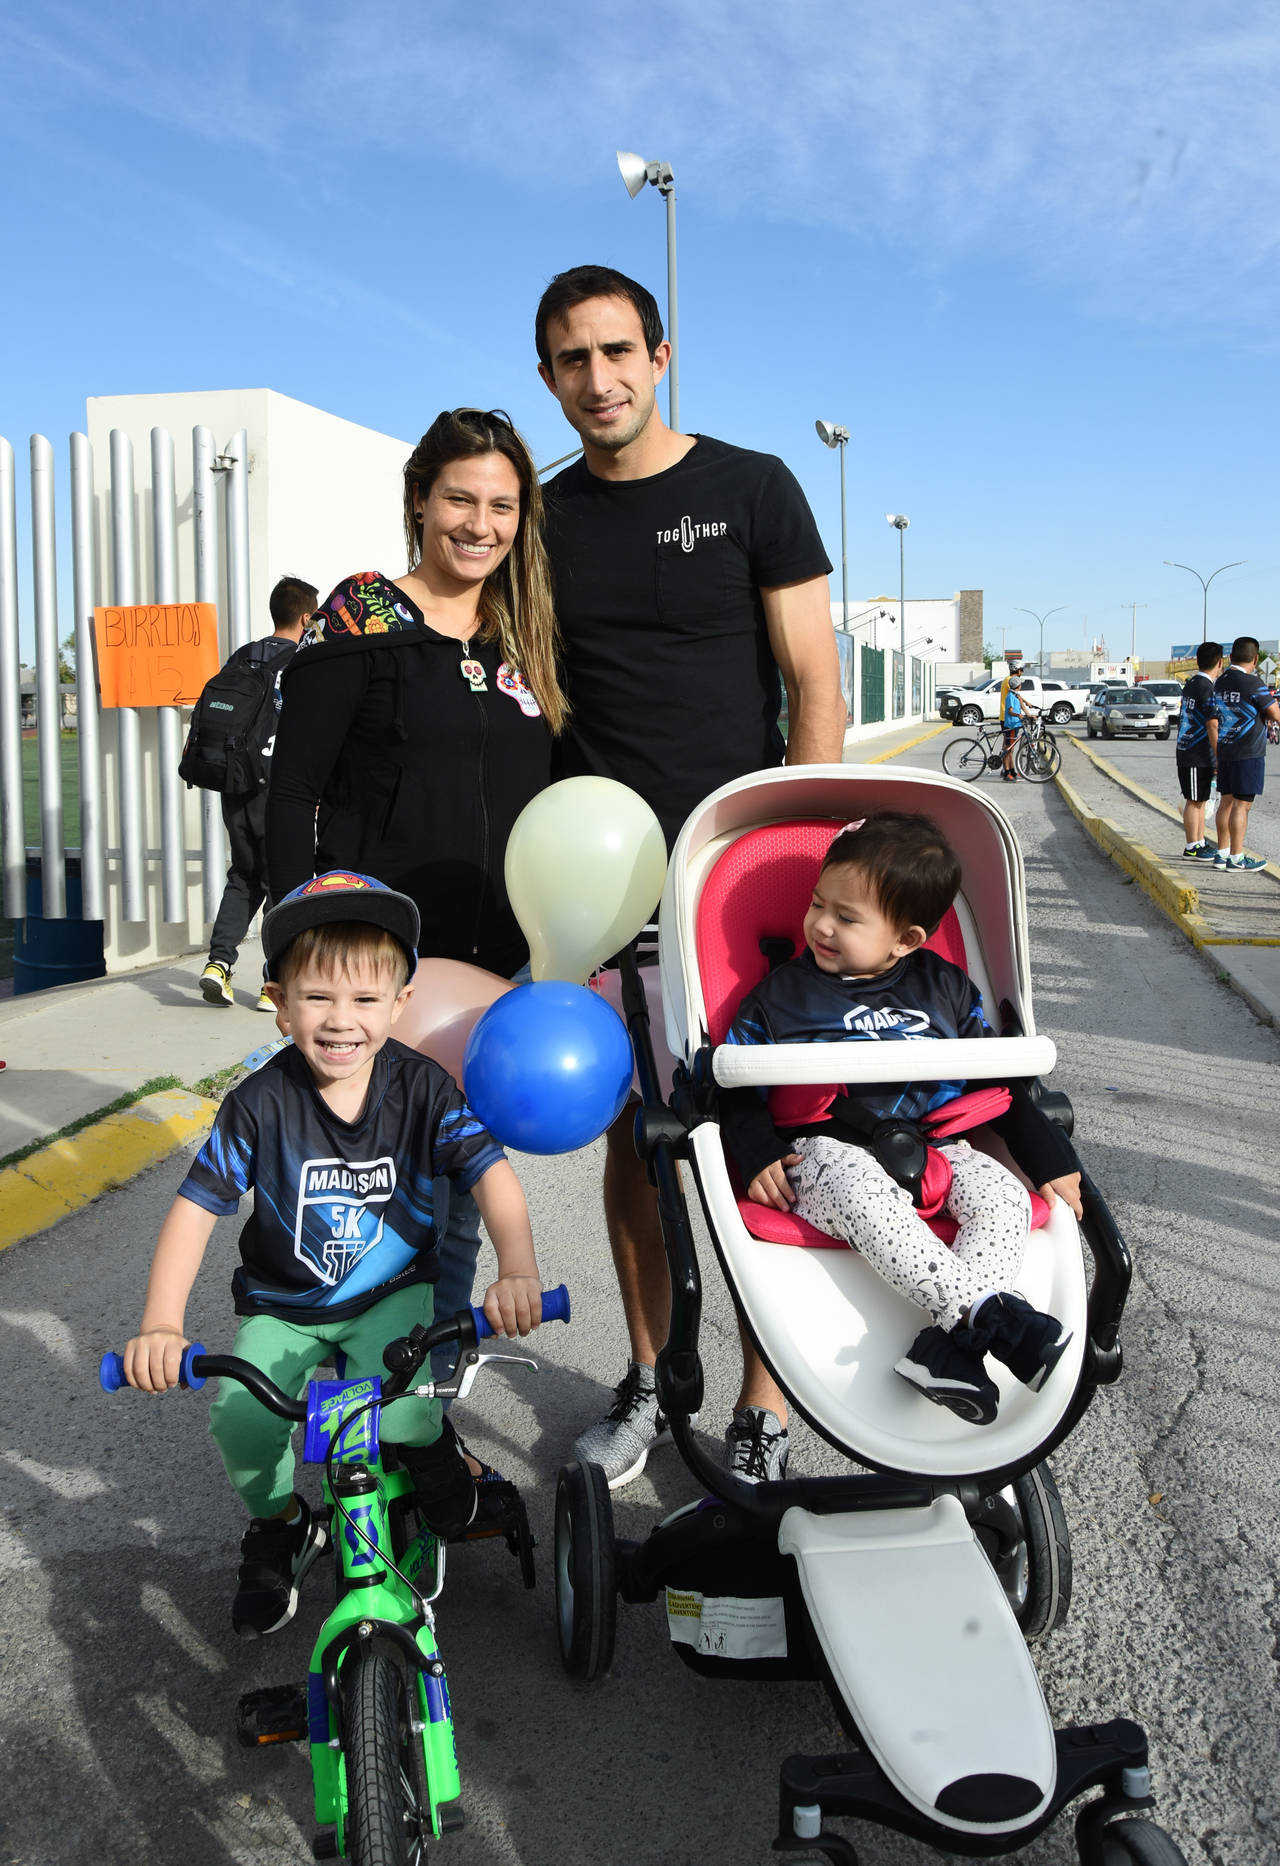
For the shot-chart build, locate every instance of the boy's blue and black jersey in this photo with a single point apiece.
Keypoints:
(1240, 701)
(342, 1210)
(1193, 721)
(921, 998)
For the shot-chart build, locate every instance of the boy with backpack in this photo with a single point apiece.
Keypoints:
(228, 749)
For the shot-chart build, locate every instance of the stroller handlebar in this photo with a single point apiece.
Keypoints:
(969, 1059)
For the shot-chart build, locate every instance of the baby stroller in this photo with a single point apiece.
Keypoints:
(823, 1577)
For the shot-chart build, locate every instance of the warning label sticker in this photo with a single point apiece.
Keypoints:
(727, 1626)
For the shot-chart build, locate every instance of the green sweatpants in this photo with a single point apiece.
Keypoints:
(255, 1445)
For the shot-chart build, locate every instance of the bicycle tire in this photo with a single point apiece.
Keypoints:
(386, 1818)
(1037, 760)
(965, 758)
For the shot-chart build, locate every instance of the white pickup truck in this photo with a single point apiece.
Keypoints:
(966, 706)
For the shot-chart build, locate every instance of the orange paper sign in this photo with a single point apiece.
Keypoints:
(155, 654)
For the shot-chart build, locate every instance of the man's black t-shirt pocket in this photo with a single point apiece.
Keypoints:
(690, 585)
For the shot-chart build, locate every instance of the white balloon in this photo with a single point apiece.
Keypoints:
(585, 865)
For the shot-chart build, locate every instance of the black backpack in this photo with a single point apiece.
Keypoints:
(233, 726)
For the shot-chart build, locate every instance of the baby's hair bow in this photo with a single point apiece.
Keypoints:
(848, 828)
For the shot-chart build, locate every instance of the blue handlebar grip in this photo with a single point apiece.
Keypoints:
(111, 1370)
(555, 1308)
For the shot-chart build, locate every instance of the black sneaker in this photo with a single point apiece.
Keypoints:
(1028, 1343)
(274, 1556)
(445, 1488)
(947, 1368)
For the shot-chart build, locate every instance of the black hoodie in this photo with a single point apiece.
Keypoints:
(389, 760)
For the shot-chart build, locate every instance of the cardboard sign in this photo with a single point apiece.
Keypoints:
(155, 654)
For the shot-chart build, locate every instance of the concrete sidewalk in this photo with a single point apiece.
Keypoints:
(1233, 920)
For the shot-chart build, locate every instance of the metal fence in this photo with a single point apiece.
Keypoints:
(127, 757)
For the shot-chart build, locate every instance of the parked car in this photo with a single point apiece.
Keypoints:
(1167, 692)
(1126, 709)
(968, 706)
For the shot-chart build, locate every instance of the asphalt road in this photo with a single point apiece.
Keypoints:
(117, 1695)
(1150, 762)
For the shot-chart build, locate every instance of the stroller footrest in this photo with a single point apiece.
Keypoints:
(925, 1651)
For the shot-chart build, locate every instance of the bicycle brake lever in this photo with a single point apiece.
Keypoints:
(475, 1361)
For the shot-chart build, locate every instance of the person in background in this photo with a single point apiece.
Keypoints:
(1245, 706)
(691, 588)
(290, 603)
(1197, 750)
(1011, 719)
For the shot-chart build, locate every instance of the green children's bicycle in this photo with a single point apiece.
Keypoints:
(375, 1708)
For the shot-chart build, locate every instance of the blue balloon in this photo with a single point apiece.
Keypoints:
(548, 1067)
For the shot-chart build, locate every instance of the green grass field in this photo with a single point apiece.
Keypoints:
(31, 817)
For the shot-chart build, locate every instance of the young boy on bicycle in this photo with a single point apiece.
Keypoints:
(340, 1135)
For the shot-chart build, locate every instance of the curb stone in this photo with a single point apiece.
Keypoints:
(66, 1175)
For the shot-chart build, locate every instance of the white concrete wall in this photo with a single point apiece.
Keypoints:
(324, 499)
(936, 616)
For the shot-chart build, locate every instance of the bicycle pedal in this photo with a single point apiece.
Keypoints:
(276, 1714)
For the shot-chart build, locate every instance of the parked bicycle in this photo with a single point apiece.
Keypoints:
(375, 1708)
(969, 758)
(1036, 755)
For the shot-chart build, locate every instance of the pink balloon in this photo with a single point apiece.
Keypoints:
(448, 1001)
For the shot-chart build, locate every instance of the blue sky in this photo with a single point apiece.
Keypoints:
(1028, 255)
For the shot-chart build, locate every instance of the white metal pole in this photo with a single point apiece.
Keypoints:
(44, 590)
(205, 513)
(164, 536)
(240, 628)
(93, 842)
(124, 579)
(13, 850)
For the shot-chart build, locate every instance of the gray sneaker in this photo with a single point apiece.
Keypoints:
(621, 1441)
(756, 1446)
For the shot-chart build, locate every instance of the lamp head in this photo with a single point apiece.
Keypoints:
(898, 520)
(831, 434)
(634, 171)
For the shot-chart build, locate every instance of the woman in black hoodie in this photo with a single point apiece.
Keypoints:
(417, 720)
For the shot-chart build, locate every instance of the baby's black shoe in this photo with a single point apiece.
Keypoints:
(1029, 1343)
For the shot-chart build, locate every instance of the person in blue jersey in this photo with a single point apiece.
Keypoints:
(853, 1162)
(340, 1136)
(1245, 706)
(1197, 750)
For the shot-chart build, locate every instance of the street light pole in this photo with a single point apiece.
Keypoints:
(635, 172)
(1041, 620)
(832, 435)
(1204, 622)
(900, 521)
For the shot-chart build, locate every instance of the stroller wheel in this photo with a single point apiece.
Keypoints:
(1139, 1843)
(586, 1571)
(1024, 1532)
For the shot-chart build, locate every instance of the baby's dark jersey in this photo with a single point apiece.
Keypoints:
(342, 1210)
(920, 998)
(1193, 721)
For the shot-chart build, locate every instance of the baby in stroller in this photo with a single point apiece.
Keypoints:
(866, 1166)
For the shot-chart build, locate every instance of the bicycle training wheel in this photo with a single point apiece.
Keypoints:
(387, 1821)
(965, 758)
(1037, 759)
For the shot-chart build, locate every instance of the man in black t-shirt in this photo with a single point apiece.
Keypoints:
(291, 602)
(1197, 749)
(1246, 710)
(691, 588)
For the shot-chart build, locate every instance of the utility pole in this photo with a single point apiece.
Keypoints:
(1133, 627)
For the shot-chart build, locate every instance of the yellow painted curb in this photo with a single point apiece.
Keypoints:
(881, 757)
(1127, 783)
(64, 1176)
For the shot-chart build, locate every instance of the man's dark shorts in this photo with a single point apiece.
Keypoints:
(1194, 781)
(1243, 779)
